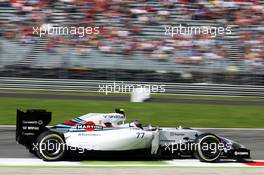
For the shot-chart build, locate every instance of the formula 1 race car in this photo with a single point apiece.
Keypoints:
(98, 134)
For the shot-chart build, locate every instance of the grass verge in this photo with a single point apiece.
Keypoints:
(157, 114)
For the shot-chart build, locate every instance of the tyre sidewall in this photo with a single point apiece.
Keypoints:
(199, 153)
(48, 135)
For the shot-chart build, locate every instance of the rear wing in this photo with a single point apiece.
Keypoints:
(30, 124)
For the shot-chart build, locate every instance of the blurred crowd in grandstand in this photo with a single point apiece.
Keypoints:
(123, 22)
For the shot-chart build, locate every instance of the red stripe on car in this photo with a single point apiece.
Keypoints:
(70, 123)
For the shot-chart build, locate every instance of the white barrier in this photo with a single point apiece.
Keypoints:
(94, 86)
(140, 95)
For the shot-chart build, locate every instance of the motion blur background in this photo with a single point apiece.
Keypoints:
(131, 44)
(63, 73)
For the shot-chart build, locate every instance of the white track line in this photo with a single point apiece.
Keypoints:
(7, 126)
(197, 163)
(171, 163)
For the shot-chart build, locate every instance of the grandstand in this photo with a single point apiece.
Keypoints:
(133, 36)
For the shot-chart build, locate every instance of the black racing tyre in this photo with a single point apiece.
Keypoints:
(208, 148)
(50, 146)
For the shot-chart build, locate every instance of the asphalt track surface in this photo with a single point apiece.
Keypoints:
(131, 171)
(122, 98)
(253, 139)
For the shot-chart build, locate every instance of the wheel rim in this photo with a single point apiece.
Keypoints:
(208, 148)
(51, 147)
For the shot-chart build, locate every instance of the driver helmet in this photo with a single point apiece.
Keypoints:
(135, 123)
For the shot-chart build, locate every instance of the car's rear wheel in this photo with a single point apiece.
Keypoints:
(51, 146)
(208, 148)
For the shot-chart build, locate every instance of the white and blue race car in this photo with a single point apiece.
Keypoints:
(101, 135)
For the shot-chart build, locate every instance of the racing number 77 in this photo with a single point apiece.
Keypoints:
(140, 135)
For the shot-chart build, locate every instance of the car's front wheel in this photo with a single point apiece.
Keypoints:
(208, 148)
(51, 146)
